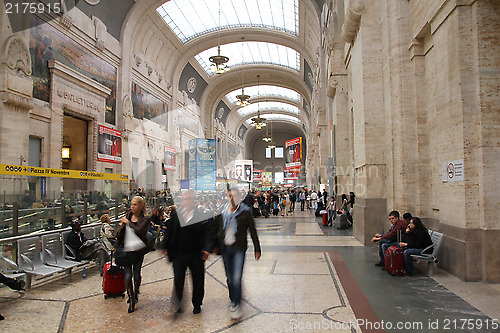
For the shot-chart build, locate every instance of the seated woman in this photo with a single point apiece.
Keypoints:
(414, 241)
(107, 233)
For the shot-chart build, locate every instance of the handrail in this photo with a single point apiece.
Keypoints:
(43, 233)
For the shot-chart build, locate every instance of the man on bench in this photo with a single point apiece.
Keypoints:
(389, 238)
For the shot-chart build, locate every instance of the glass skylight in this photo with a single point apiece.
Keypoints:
(191, 18)
(253, 53)
(264, 106)
(265, 90)
(274, 116)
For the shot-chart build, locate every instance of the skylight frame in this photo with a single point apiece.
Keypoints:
(266, 106)
(265, 91)
(253, 53)
(189, 19)
(277, 116)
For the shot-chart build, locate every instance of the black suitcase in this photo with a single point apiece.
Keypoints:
(264, 212)
(276, 211)
(342, 222)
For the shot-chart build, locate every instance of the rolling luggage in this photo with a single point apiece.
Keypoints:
(113, 281)
(264, 212)
(394, 260)
(276, 211)
(342, 222)
(325, 219)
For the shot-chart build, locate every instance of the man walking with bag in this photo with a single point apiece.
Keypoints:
(187, 245)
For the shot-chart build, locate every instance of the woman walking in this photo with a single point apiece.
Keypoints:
(139, 223)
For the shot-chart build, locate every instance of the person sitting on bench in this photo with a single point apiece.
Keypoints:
(86, 249)
(415, 240)
(12, 284)
(389, 238)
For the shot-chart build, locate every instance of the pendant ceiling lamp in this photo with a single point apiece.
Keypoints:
(258, 122)
(243, 99)
(271, 144)
(219, 62)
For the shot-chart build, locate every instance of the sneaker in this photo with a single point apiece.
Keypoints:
(233, 307)
(197, 309)
(380, 264)
(237, 313)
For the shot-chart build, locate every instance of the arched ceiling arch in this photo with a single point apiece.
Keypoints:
(252, 136)
(144, 14)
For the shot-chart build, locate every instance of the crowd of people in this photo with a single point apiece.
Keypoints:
(187, 232)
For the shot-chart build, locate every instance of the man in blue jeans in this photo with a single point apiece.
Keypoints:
(389, 238)
(232, 227)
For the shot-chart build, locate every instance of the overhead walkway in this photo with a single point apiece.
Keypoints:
(310, 279)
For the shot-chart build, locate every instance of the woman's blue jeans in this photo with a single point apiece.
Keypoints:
(408, 260)
(233, 264)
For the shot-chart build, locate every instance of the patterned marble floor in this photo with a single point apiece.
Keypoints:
(309, 279)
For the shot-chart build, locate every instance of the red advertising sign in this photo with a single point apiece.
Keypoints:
(169, 159)
(110, 145)
(257, 175)
(293, 154)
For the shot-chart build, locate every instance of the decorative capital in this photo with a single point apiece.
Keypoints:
(19, 102)
(355, 10)
(17, 56)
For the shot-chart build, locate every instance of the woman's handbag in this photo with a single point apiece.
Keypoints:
(127, 255)
(126, 258)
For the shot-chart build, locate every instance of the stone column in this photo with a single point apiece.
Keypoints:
(364, 63)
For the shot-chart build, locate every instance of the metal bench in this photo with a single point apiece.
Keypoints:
(431, 258)
(10, 269)
(52, 253)
(30, 261)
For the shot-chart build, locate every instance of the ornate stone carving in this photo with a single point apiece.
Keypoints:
(128, 110)
(17, 101)
(66, 19)
(350, 28)
(331, 88)
(150, 69)
(17, 56)
(100, 33)
(138, 60)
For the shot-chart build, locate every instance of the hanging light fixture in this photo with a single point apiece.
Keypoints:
(266, 137)
(271, 144)
(243, 100)
(258, 122)
(219, 61)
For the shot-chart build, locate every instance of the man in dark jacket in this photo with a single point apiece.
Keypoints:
(231, 228)
(86, 249)
(187, 245)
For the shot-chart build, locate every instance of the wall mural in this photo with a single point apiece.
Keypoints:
(47, 43)
(147, 106)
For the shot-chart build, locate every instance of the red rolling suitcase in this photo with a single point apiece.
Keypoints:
(324, 219)
(113, 281)
(394, 261)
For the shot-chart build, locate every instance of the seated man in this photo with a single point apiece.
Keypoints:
(12, 284)
(86, 249)
(389, 238)
(406, 218)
